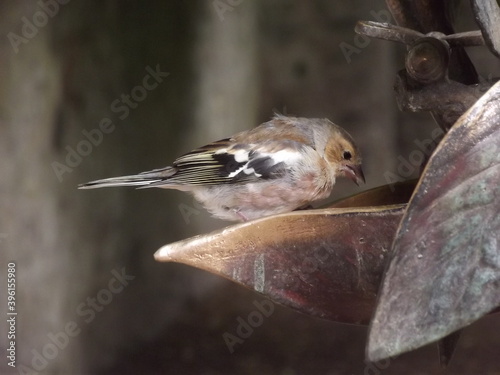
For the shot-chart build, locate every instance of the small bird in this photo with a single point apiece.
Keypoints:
(281, 165)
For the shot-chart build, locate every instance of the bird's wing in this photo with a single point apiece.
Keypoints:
(229, 162)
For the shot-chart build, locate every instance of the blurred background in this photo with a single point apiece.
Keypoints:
(94, 89)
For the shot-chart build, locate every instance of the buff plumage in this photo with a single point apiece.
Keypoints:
(282, 165)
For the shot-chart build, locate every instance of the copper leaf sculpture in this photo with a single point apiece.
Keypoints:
(445, 270)
(326, 263)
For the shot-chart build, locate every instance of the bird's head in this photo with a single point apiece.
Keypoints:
(343, 155)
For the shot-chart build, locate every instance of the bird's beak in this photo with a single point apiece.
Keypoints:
(354, 173)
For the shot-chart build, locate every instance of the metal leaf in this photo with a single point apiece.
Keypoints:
(445, 270)
(397, 193)
(326, 262)
(487, 15)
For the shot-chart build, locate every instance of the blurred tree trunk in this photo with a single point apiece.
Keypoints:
(68, 244)
(57, 82)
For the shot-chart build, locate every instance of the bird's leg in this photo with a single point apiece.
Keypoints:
(240, 215)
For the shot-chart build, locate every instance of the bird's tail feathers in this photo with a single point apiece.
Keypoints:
(141, 180)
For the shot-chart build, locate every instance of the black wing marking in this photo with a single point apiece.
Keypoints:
(264, 166)
(207, 165)
(224, 162)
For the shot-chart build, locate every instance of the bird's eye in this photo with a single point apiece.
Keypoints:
(347, 155)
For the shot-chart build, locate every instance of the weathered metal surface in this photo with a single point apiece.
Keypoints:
(427, 60)
(428, 16)
(407, 36)
(445, 270)
(447, 100)
(424, 85)
(326, 262)
(487, 14)
(397, 193)
(387, 31)
(421, 15)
